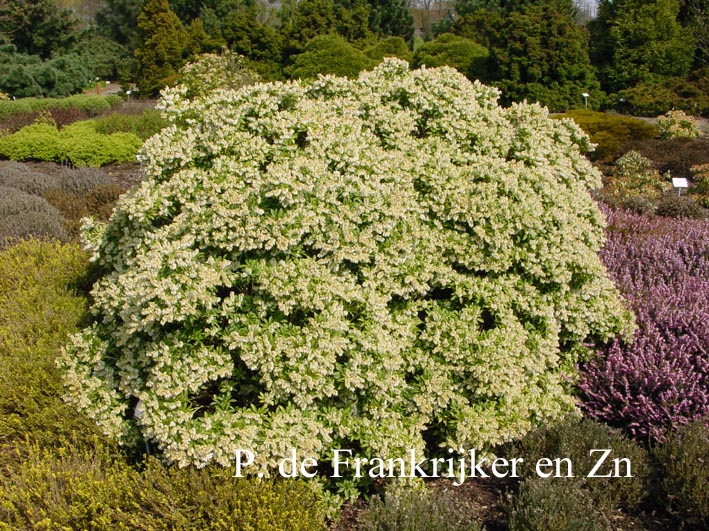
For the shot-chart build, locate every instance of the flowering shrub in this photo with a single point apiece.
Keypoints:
(345, 264)
(635, 175)
(677, 124)
(660, 380)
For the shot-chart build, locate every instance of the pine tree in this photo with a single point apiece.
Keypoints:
(161, 54)
(36, 27)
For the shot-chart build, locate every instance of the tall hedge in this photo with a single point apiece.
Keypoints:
(388, 263)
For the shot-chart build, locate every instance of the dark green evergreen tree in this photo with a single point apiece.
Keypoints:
(309, 19)
(465, 55)
(329, 54)
(391, 18)
(37, 27)
(161, 53)
(353, 21)
(118, 20)
(541, 55)
(694, 14)
(635, 41)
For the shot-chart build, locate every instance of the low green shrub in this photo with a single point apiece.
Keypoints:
(143, 125)
(22, 177)
(610, 132)
(66, 489)
(658, 97)
(416, 510)
(82, 145)
(465, 55)
(174, 499)
(90, 104)
(555, 504)
(684, 462)
(39, 141)
(328, 54)
(574, 439)
(96, 490)
(672, 205)
(78, 143)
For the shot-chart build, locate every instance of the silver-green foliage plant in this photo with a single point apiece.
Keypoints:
(345, 264)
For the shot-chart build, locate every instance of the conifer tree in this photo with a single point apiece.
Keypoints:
(639, 41)
(541, 55)
(162, 52)
(36, 27)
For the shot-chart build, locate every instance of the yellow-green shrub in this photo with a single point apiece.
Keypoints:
(82, 145)
(610, 132)
(78, 143)
(39, 306)
(96, 490)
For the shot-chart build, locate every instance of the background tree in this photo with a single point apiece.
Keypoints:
(242, 32)
(465, 55)
(353, 18)
(118, 20)
(329, 54)
(389, 47)
(635, 41)
(694, 14)
(309, 19)
(542, 55)
(391, 18)
(37, 27)
(161, 52)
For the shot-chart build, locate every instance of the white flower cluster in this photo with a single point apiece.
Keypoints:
(346, 264)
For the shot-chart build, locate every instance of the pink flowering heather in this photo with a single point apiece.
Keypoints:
(661, 380)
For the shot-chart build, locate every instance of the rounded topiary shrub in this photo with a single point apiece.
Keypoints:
(364, 264)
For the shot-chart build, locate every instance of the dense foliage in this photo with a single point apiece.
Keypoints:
(416, 510)
(78, 143)
(465, 55)
(637, 41)
(328, 54)
(161, 53)
(610, 133)
(25, 76)
(56, 472)
(659, 381)
(683, 459)
(345, 264)
(542, 55)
